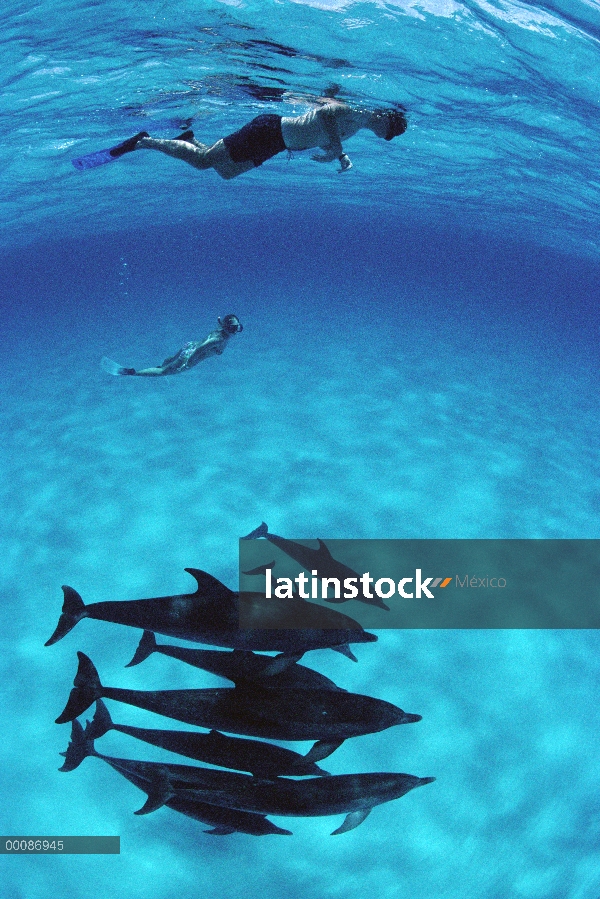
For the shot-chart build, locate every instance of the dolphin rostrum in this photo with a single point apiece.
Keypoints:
(351, 794)
(260, 759)
(239, 666)
(210, 615)
(222, 820)
(315, 559)
(251, 711)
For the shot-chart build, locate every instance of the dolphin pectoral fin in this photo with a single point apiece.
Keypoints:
(78, 749)
(100, 724)
(87, 688)
(352, 820)
(73, 610)
(146, 647)
(221, 831)
(322, 750)
(281, 663)
(261, 531)
(159, 792)
(345, 650)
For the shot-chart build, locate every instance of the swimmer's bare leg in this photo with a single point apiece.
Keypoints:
(147, 372)
(113, 368)
(178, 149)
(215, 157)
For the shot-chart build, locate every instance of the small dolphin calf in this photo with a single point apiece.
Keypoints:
(315, 559)
(222, 820)
(272, 714)
(210, 615)
(351, 794)
(239, 666)
(260, 759)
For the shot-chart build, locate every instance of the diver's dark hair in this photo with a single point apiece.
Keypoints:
(231, 324)
(397, 123)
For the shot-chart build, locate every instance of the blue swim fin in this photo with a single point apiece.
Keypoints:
(101, 157)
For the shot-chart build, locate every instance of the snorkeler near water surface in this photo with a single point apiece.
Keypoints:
(189, 355)
(324, 126)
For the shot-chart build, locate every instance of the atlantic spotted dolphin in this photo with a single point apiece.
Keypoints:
(351, 794)
(239, 666)
(214, 748)
(210, 615)
(271, 714)
(186, 616)
(222, 820)
(319, 559)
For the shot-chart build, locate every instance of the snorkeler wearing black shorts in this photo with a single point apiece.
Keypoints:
(325, 126)
(189, 355)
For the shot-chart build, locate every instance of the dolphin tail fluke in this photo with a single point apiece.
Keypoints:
(146, 647)
(100, 724)
(261, 531)
(345, 650)
(159, 792)
(87, 688)
(352, 820)
(78, 749)
(73, 610)
(322, 750)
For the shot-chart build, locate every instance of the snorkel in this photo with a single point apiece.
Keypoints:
(231, 324)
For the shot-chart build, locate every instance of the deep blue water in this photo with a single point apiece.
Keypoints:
(419, 359)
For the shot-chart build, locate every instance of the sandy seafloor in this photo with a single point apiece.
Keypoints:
(399, 375)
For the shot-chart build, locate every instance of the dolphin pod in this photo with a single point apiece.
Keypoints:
(260, 759)
(222, 820)
(319, 559)
(273, 698)
(211, 615)
(273, 714)
(351, 794)
(239, 666)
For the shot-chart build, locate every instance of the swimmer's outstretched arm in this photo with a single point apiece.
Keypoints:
(334, 150)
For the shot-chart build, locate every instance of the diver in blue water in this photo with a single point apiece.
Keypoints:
(324, 126)
(189, 355)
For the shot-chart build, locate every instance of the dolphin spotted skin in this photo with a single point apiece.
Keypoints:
(210, 615)
(239, 666)
(351, 794)
(254, 712)
(222, 820)
(260, 759)
(315, 559)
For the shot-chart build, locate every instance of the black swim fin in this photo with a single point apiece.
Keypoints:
(128, 146)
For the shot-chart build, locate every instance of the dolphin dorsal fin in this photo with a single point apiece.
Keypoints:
(323, 551)
(352, 820)
(209, 586)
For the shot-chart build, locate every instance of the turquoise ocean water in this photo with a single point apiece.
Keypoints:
(419, 359)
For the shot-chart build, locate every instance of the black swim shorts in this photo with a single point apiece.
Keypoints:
(257, 141)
